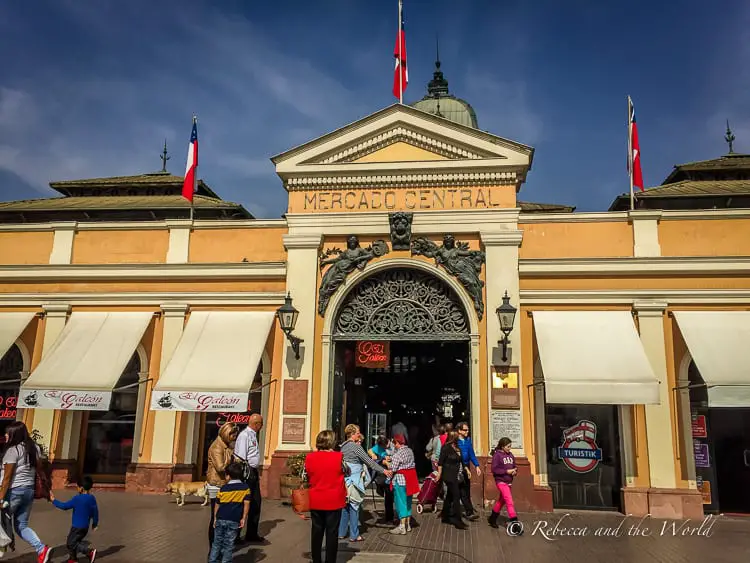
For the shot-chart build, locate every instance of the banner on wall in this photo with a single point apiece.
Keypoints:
(66, 400)
(199, 401)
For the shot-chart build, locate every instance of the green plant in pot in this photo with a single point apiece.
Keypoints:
(293, 479)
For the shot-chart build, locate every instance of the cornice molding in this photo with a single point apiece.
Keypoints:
(632, 296)
(122, 272)
(174, 309)
(145, 225)
(706, 214)
(596, 217)
(502, 238)
(173, 301)
(56, 309)
(416, 180)
(646, 266)
(302, 241)
(403, 134)
(645, 214)
(646, 308)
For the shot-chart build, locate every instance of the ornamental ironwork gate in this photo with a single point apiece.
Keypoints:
(401, 304)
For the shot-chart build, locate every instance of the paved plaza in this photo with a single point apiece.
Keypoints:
(152, 529)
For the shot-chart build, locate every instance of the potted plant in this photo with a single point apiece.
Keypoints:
(293, 479)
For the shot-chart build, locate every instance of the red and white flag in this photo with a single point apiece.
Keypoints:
(634, 158)
(191, 169)
(401, 72)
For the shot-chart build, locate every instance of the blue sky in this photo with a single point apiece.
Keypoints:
(91, 88)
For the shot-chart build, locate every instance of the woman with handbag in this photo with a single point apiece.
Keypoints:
(22, 461)
(325, 470)
(219, 457)
(451, 471)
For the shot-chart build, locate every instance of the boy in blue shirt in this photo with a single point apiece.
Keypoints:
(230, 514)
(85, 511)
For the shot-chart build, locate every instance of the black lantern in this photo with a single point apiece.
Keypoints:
(506, 315)
(287, 316)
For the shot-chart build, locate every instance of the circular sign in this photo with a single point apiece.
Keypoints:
(579, 451)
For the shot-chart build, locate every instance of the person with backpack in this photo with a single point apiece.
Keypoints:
(22, 459)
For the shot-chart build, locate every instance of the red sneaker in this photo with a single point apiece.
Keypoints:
(92, 555)
(44, 555)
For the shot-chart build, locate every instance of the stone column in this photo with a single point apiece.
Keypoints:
(501, 250)
(56, 315)
(301, 279)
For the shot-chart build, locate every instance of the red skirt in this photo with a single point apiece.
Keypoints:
(412, 481)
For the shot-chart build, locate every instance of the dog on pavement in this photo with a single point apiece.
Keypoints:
(181, 490)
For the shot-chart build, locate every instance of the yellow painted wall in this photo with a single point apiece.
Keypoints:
(708, 237)
(26, 248)
(234, 245)
(576, 240)
(120, 247)
(401, 152)
(258, 285)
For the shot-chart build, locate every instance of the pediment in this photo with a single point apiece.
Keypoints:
(403, 139)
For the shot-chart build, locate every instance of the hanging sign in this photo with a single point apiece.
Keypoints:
(199, 401)
(8, 407)
(579, 451)
(65, 400)
(370, 354)
(699, 426)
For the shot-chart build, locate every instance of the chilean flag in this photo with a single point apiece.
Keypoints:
(188, 185)
(400, 72)
(634, 159)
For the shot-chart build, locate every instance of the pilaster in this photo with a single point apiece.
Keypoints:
(178, 251)
(62, 244)
(302, 261)
(645, 232)
(56, 315)
(162, 450)
(659, 434)
(501, 251)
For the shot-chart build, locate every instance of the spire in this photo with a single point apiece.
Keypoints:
(164, 158)
(729, 138)
(438, 86)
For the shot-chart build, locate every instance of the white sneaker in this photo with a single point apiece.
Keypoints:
(408, 525)
(398, 531)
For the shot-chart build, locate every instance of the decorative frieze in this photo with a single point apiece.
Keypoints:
(404, 180)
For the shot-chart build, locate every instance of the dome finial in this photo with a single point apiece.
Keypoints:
(729, 138)
(438, 86)
(164, 158)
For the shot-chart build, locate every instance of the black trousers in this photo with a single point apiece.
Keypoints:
(253, 516)
(211, 525)
(77, 544)
(388, 502)
(325, 523)
(465, 490)
(452, 503)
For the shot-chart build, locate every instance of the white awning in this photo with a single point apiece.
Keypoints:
(84, 364)
(719, 342)
(214, 363)
(11, 327)
(593, 357)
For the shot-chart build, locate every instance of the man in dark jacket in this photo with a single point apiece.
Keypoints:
(467, 456)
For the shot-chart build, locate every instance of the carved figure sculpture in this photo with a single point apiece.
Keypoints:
(460, 262)
(342, 263)
(400, 229)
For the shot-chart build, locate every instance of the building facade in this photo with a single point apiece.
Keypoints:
(130, 335)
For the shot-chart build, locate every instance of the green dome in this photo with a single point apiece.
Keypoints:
(440, 102)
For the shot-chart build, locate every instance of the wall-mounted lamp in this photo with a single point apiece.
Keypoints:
(506, 314)
(287, 316)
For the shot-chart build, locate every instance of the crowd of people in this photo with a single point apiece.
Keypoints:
(338, 478)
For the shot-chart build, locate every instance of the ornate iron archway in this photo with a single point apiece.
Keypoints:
(401, 304)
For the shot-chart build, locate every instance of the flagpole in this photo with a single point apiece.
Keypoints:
(400, 53)
(630, 153)
(195, 180)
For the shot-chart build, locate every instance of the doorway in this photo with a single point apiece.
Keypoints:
(721, 450)
(421, 385)
(11, 367)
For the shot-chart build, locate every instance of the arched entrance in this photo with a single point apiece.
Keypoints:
(401, 353)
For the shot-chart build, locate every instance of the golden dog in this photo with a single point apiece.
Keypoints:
(181, 490)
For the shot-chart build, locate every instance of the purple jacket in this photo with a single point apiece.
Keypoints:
(501, 463)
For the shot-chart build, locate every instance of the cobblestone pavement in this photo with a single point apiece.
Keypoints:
(152, 529)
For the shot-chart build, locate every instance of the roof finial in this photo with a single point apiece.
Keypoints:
(438, 86)
(729, 138)
(164, 157)
(437, 51)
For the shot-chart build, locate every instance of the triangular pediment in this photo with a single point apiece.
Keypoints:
(402, 139)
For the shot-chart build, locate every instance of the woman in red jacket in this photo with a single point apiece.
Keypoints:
(325, 475)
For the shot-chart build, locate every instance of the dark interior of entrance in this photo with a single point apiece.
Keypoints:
(424, 383)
